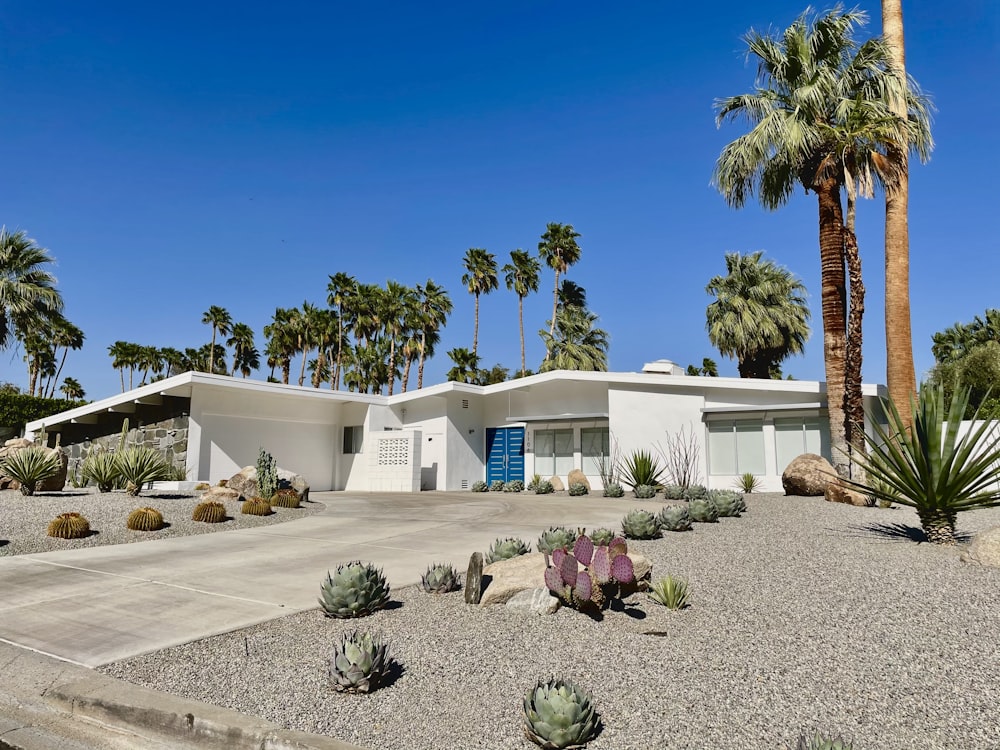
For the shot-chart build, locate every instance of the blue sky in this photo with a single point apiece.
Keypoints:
(176, 156)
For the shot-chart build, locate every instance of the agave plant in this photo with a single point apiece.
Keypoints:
(497, 485)
(559, 714)
(674, 518)
(557, 537)
(931, 467)
(505, 549)
(614, 490)
(360, 662)
(480, 486)
(644, 492)
(727, 502)
(703, 511)
(100, 468)
(642, 467)
(544, 487)
(138, 465)
(514, 485)
(356, 589)
(578, 488)
(822, 742)
(671, 592)
(440, 579)
(31, 465)
(674, 492)
(640, 524)
(602, 537)
(695, 492)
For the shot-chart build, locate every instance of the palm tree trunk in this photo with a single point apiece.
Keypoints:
(475, 330)
(420, 364)
(392, 364)
(211, 356)
(834, 304)
(32, 375)
(900, 376)
(55, 380)
(121, 374)
(286, 370)
(407, 364)
(555, 307)
(302, 371)
(520, 322)
(854, 406)
(939, 526)
(320, 363)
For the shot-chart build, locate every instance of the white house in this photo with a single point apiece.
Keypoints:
(448, 436)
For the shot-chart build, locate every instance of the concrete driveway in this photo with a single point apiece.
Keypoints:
(97, 605)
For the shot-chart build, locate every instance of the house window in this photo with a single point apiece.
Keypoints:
(794, 436)
(353, 439)
(553, 452)
(595, 445)
(736, 447)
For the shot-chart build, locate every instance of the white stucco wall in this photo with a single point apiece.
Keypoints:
(428, 415)
(465, 440)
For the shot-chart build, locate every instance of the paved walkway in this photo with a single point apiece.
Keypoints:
(97, 605)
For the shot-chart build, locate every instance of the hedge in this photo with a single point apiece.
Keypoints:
(17, 409)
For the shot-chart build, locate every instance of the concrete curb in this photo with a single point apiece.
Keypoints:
(161, 717)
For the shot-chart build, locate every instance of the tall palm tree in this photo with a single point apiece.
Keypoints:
(804, 77)
(435, 307)
(522, 277)
(246, 357)
(121, 352)
(65, 336)
(466, 367)
(221, 321)
(759, 316)
(559, 249)
(173, 361)
(342, 288)
(72, 389)
(393, 307)
(577, 344)
(27, 290)
(282, 340)
(480, 278)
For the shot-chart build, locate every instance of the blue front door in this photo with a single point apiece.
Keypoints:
(504, 454)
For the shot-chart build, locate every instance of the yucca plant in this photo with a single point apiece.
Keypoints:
(360, 662)
(822, 742)
(505, 549)
(559, 714)
(138, 465)
(930, 467)
(31, 465)
(671, 592)
(355, 589)
(748, 483)
(642, 467)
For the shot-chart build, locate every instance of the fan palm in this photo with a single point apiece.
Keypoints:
(66, 336)
(394, 305)
(72, 389)
(466, 367)
(522, 276)
(759, 316)
(282, 340)
(26, 288)
(480, 278)
(435, 307)
(342, 288)
(559, 249)
(221, 321)
(577, 344)
(246, 358)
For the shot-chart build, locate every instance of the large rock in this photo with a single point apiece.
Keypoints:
(838, 492)
(220, 495)
(474, 579)
(985, 548)
(245, 482)
(510, 577)
(807, 475)
(557, 484)
(54, 483)
(578, 477)
(537, 601)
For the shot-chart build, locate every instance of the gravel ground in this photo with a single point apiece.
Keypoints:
(805, 616)
(24, 520)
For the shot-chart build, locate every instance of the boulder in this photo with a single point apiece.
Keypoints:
(245, 482)
(984, 549)
(17, 443)
(557, 484)
(474, 579)
(508, 578)
(838, 492)
(537, 601)
(221, 495)
(578, 477)
(807, 475)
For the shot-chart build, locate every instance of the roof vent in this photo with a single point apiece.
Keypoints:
(663, 367)
(465, 403)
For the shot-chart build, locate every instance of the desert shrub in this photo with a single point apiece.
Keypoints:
(578, 488)
(138, 465)
(31, 465)
(544, 488)
(671, 592)
(515, 485)
(641, 467)
(480, 486)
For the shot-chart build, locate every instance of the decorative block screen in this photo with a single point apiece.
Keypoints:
(394, 452)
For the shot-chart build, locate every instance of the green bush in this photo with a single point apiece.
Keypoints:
(578, 488)
(544, 488)
(17, 409)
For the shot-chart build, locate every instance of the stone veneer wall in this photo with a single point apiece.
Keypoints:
(168, 436)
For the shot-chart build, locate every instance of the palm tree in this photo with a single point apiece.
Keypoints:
(246, 358)
(173, 361)
(480, 278)
(221, 321)
(72, 389)
(804, 78)
(66, 336)
(559, 250)
(282, 340)
(148, 358)
(324, 327)
(577, 344)
(393, 306)
(759, 316)
(342, 288)
(122, 355)
(466, 367)
(435, 307)
(27, 290)
(308, 325)
(522, 276)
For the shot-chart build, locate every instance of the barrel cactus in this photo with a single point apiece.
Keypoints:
(209, 511)
(727, 502)
(505, 549)
(285, 497)
(602, 537)
(559, 714)
(145, 519)
(703, 511)
(544, 487)
(440, 579)
(644, 491)
(674, 518)
(69, 526)
(360, 662)
(480, 486)
(557, 537)
(578, 488)
(614, 490)
(256, 506)
(355, 589)
(640, 524)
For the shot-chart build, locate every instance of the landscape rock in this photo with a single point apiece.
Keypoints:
(557, 484)
(538, 601)
(245, 482)
(984, 549)
(808, 475)
(474, 579)
(578, 477)
(838, 492)
(221, 495)
(18, 442)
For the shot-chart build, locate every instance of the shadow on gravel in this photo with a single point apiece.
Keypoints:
(901, 532)
(61, 494)
(169, 496)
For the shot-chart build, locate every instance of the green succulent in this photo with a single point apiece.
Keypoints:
(673, 492)
(748, 483)
(557, 537)
(695, 492)
(514, 485)
(822, 742)
(145, 519)
(360, 662)
(544, 488)
(440, 579)
(505, 549)
(640, 524)
(703, 511)
(100, 468)
(496, 485)
(671, 592)
(602, 537)
(355, 589)
(644, 491)
(31, 465)
(641, 467)
(480, 486)
(614, 490)
(674, 518)
(558, 714)
(727, 502)
(578, 488)
(139, 465)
